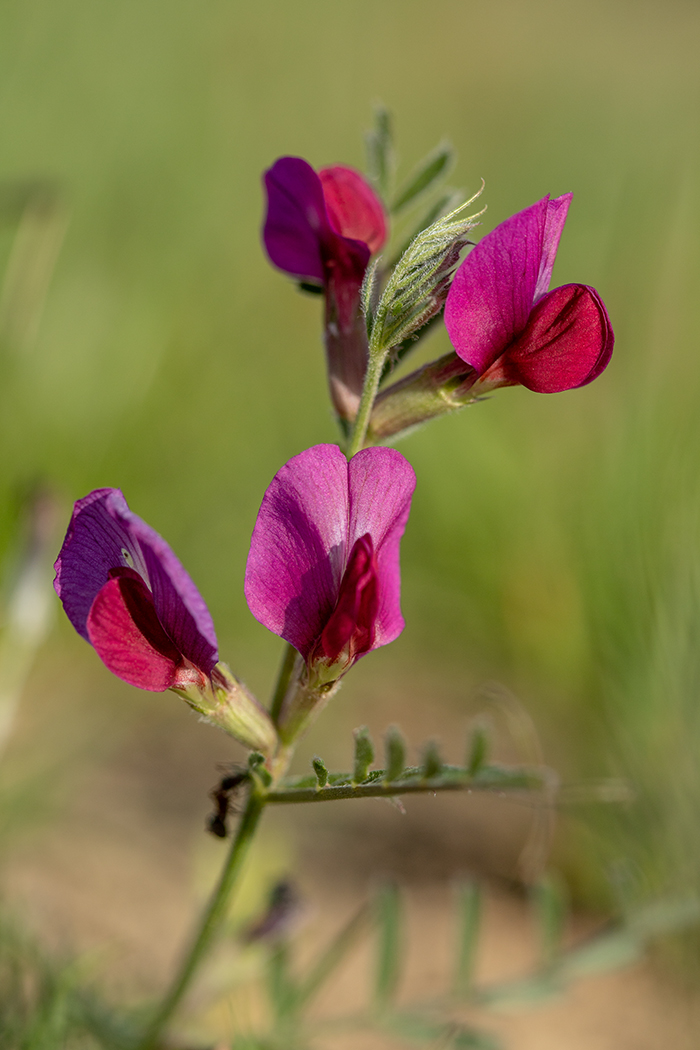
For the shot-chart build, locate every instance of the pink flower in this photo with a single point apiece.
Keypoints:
(323, 569)
(503, 321)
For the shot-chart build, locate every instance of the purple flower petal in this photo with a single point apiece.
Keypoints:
(353, 208)
(103, 537)
(555, 218)
(297, 552)
(567, 343)
(493, 291)
(315, 510)
(296, 221)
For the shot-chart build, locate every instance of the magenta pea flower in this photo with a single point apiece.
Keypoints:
(318, 224)
(127, 594)
(323, 569)
(322, 228)
(503, 321)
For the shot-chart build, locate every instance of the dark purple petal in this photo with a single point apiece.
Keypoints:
(298, 549)
(312, 515)
(557, 211)
(381, 483)
(353, 208)
(492, 293)
(296, 221)
(567, 343)
(105, 536)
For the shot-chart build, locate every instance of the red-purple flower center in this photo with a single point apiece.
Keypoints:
(349, 632)
(124, 628)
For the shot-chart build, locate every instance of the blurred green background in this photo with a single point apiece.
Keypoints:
(553, 543)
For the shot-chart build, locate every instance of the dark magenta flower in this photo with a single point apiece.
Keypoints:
(127, 594)
(321, 225)
(323, 569)
(503, 321)
(322, 228)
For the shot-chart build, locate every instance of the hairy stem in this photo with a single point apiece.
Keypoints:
(375, 367)
(210, 924)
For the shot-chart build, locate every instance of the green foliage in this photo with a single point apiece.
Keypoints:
(380, 152)
(46, 1005)
(364, 754)
(550, 904)
(468, 924)
(416, 289)
(432, 760)
(320, 771)
(395, 753)
(429, 172)
(478, 749)
(389, 945)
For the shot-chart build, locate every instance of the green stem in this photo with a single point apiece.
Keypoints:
(375, 367)
(210, 924)
(285, 676)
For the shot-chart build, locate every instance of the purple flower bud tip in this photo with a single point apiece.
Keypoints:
(127, 594)
(323, 569)
(502, 320)
(317, 224)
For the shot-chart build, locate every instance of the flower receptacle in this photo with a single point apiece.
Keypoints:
(225, 702)
(440, 387)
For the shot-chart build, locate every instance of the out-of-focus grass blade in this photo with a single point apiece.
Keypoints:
(280, 987)
(665, 917)
(42, 226)
(549, 900)
(468, 1039)
(469, 906)
(478, 749)
(445, 204)
(388, 924)
(428, 172)
(438, 1034)
(380, 151)
(29, 606)
(332, 957)
(609, 951)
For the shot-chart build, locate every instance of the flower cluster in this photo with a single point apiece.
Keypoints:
(323, 568)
